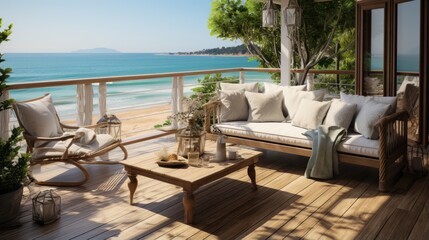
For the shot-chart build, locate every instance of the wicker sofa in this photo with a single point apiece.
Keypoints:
(388, 153)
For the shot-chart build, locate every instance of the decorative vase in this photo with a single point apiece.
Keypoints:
(220, 148)
(10, 204)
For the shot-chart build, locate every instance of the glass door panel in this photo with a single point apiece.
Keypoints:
(408, 62)
(373, 51)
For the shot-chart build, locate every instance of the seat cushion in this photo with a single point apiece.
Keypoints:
(44, 149)
(285, 133)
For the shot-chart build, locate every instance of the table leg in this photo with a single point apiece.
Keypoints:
(188, 205)
(132, 186)
(252, 174)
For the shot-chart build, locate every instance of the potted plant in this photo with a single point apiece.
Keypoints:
(13, 165)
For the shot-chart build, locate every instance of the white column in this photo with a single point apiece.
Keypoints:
(89, 105)
(102, 95)
(80, 104)
(241, 79)
(286, 49)
(4, 118)
(174, 101)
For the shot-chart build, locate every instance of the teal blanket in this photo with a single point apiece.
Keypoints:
(323, 163)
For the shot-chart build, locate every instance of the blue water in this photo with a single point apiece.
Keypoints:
(62, 66)
(405, 63)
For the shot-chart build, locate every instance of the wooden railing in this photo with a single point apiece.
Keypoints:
(85, 93)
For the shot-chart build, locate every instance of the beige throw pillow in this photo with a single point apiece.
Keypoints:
(39, 117)
(310, 113)
(234, 106)
(340, 114)
(368, 116)
(264, 107)
(249, 87)
(292, 99)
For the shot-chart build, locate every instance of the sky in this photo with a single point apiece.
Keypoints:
(47, 26)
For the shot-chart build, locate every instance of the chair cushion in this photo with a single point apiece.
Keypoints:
(57, 148)
(249, 87)
(310, 114)
(285, 133)
(39, 117)
(265, 107)
(234, 106)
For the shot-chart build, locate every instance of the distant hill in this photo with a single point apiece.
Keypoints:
(237, 50)
(96, 50)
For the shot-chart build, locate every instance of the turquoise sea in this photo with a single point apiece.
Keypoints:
(61, 66)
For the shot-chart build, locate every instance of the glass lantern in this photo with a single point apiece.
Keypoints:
(46, 207)
(112, 126)
(293, 14)
(190, 139)
(269, 15)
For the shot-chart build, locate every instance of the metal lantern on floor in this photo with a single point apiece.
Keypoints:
(190, 139)
(46, 207)
(112, 125)
(269, 15)
(293, 14)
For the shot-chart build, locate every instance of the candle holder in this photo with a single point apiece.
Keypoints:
(46, 207)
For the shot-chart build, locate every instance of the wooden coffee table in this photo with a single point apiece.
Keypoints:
(189, 178)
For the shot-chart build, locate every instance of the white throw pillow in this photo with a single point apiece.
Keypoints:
(310, 113)
(292, 99)
(368, 116)
(340, 114)
(271, 88)
(249, 87)
(234, 105)
(39, 117)
(265, 107)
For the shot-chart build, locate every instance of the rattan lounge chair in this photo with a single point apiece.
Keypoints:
(49, 141)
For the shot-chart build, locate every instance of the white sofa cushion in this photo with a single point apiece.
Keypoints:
(370, 113)
(234, 105)
(249, 87)
(310, 114)
(265, 107)
(292, 99)
(271, 88)
(285, 133)
(340, 114)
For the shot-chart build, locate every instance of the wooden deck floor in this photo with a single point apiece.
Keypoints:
(286, 205)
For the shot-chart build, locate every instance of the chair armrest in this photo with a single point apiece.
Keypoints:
(49, 139)
(211, 111)
(87, 126)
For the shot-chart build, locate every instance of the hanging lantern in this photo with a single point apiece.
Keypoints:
(190, 139)
(293, 14)
(46, 207)
(269, 15)
(112, 126)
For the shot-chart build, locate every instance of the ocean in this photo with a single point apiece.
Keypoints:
(121, 95)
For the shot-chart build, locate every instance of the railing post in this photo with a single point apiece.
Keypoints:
(89, 103)
(4, 118)
(241, 79)
(174, 99)
(80, 104)
(102, 95)
(310, 81)
(180, 94)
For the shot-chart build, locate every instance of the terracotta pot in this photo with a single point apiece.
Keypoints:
(10, 204)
